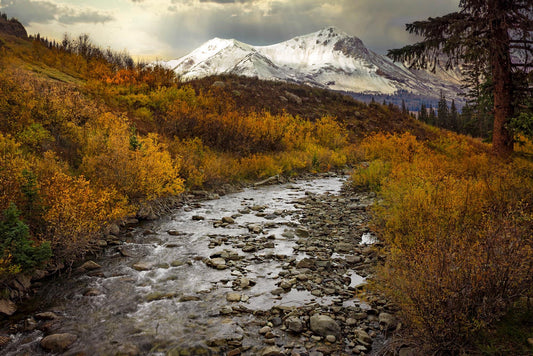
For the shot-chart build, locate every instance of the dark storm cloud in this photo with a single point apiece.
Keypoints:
(29, 11)
(380, 24)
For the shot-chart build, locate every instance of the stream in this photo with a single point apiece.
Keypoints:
(205, 280)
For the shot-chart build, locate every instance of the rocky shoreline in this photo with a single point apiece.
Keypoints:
(340, 319)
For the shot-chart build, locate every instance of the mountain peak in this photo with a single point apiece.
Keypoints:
(331, 31)
(328, 58)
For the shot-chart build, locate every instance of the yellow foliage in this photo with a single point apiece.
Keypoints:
(12, 164)
(458, 224)
(76, 211)
(137, 167)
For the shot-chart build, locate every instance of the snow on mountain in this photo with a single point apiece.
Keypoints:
(328, 58)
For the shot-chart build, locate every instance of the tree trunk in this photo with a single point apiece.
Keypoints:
(502, 139)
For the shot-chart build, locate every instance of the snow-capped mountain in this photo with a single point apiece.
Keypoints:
(328, 58)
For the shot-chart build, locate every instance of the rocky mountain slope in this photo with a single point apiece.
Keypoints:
(328, 59)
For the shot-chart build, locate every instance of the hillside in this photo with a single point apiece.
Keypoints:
(12, 27)
(252, 94)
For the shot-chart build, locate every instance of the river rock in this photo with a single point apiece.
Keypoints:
(387, 321)
(58, 342)
(294, 324)
(331, 338)
(198, 218)
(189, 298)
(125, 251)
(362, 337)
(249, 248)
(113, 229)
(353, 259)
(301, 232)
(233, 297)
(46, 316)
(228, 220)
(324, 325)
(7, 307)
(217, 262)
(271, 351)
(23, 282)
(175, 233)
(286, 284)
(255, 228)
(343, 247)
(306, 263)
(243, 283)
(264, 330)
(142, 266)
(90, 266)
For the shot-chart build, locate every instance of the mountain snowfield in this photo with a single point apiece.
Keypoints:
(328, 59)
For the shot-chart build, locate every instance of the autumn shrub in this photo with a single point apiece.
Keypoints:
(369, 176)
(139, 168)
(75, 213)
(200, 164)
(13, 162)
(458, 226)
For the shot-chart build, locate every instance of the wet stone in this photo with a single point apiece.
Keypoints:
(228, 220)
(233, 297)
(58, 342)
(175, 233)
(142, 266)
(46, 316)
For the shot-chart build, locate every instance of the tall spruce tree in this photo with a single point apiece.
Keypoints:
(482, 32)
(442, 112)
(423, 114)
(454, 117)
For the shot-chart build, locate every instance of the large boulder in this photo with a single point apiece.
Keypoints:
(58, 342)
(7, 307)
(324, 325)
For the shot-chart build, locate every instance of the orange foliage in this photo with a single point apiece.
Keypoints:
(458, 226)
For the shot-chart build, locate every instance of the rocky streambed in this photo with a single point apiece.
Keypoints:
(275, 270)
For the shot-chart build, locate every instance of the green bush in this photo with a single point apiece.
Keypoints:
(16, 245)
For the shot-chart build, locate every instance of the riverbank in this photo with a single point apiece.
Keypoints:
(283, 284)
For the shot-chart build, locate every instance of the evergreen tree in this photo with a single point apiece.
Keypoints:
(432, 118)
(423, 113)
(15, 242)
(404, 108)
(482, 32)
(454, 117)
(442, 113)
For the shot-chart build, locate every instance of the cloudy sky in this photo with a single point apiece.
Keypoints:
(167, 29)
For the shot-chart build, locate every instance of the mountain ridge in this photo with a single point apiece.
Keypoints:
(329, 58)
